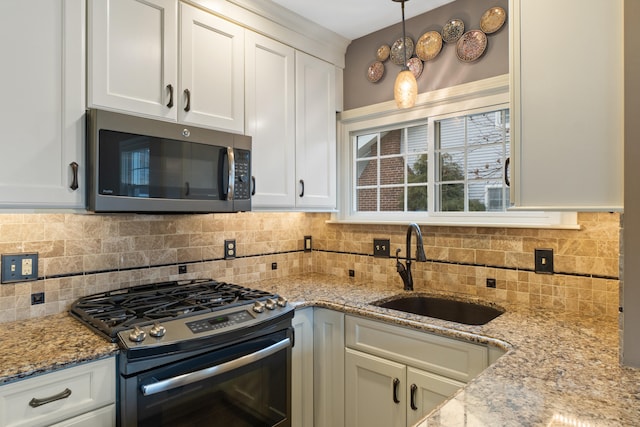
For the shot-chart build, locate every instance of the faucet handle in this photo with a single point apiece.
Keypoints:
(397, 252)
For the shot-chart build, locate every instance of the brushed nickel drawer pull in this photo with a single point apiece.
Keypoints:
(35, 402)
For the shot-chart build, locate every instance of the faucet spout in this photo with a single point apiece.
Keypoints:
(405, 271)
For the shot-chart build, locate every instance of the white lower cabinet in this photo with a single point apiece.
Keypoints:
(83, 395)
(394, 376)
(328, 368)
(302, 369)
(318, 368)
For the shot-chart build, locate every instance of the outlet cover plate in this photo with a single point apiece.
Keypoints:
(13, 271)
(230, 249)
(381, 248)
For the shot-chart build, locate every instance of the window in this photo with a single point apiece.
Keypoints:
(390, 168)
(471, 153)
(442, 163)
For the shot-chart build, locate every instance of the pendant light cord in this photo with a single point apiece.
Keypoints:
(404, 40)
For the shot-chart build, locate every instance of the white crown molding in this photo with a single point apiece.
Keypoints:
(278, 23)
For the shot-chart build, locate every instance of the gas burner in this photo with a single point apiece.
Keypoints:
(114, 311)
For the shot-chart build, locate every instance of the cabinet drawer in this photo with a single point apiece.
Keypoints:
(92, 386)
(434, 353)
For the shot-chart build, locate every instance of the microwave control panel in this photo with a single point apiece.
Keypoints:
(242, 187)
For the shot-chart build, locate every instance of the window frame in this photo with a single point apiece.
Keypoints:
(470, 98)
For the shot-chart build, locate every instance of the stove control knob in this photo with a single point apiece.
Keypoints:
(282, 301)
(258, 306)
(157, 330)
(137, 335)
(270, 304)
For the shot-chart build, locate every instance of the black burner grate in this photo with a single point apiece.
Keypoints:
(111, 312)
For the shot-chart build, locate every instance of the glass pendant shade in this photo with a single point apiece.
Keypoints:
(405, 90)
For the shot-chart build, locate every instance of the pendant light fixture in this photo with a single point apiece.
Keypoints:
(405, 90)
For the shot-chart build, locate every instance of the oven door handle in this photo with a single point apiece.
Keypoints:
(193, 377)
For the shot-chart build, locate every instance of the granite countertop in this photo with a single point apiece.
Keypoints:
(42, 345)
(559, 369)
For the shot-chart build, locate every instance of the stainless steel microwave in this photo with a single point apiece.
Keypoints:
(143, 165)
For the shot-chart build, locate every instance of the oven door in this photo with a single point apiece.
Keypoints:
(246, 384)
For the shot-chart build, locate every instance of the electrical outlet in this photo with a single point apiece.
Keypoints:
(230, 249)
(274, 265)
(544, 261)
(352, 273)
(381, 248)
(307, 243)
(19, 268)
(37, 298)
(182, 269)
(491, 283)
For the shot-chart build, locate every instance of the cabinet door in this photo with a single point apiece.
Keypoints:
(426, 391)
(328, 354)
(302, 369)
(567, 108)
(80, 389)
(211, 71)
(42, 116)
(315, 133)
(270, 120)
(132, 59)
(375, 391)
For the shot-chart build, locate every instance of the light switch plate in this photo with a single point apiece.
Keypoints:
(19, 268)
(544, 261)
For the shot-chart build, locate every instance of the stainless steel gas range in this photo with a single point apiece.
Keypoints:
(201, 352)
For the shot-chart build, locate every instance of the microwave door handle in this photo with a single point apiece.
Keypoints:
(203, 374)
(232, 173)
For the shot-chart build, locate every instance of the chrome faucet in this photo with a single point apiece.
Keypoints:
(405, 272)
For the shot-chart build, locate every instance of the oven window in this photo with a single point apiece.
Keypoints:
(257, 394)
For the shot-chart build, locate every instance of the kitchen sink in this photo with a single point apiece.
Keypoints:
(464, 312)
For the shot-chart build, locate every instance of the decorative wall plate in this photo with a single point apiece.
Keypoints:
(397, 50)
(382, 54)
(452, 30)
(375, 71)
(415, 65)
(471, 45)
(493, 19)
(429, 45)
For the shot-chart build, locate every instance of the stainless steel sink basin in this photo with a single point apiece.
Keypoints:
(467, 313)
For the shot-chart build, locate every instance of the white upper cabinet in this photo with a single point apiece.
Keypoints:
(211, 71)
(42, 43)
(315, 133)
(134, 61)
(132, 56)
(270, 120)
(567, 104)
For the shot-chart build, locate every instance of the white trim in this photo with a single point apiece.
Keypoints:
(480, 95)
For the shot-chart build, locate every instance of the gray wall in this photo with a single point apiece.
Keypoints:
(443, 71)
(631, 231)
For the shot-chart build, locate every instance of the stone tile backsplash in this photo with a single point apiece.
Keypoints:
(83, 254)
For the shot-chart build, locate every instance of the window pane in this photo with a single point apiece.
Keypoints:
(451, 133)
(485, 128)
(417, 169)
(391, 142)
(417, 139)
(451, 166)
(367, 146)
(451, 197)
(477, 197)
(392, 199)
(417, 199)
(485, 162)
(392, 171)
(367, 200)
(367, 172)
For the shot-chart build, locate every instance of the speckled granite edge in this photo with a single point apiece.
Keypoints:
(38, 346)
